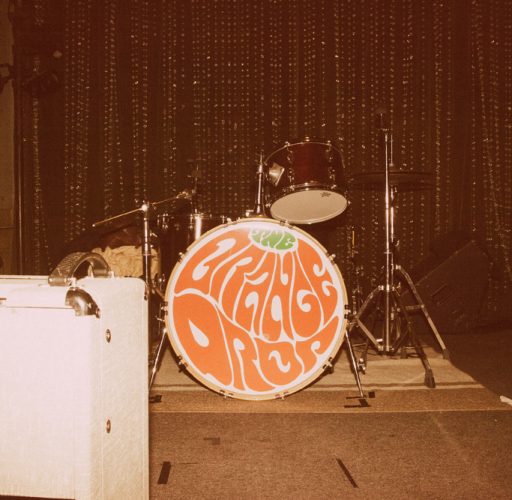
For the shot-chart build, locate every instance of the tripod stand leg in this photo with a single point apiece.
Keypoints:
(400, 342)
(356, 321)
(429, 374)
(157, 360)
(353, 362)
(423, 308)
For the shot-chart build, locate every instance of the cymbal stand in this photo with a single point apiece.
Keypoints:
(146, 245)
(144, 209)
(260, 176)
(163, 338)
(189, 195)
(154, 290)
(395, 312)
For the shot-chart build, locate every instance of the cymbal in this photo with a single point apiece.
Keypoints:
(397, 178)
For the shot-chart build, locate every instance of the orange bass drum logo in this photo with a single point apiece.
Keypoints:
(256, 309)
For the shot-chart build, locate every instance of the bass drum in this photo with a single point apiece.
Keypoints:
(177, 232)
(256, 309)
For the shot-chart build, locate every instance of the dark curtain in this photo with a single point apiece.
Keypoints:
(122, 101)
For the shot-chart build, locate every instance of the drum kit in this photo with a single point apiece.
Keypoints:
(255, 308)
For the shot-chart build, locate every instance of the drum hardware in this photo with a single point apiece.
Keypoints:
(155, 363)
(148, 211)
(290, 158)
(356, 366)
(395, 312)
(356, 298)
(275, 172)
(260, 173)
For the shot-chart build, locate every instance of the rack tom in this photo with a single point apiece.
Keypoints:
(305, 182)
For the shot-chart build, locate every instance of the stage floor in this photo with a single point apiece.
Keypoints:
(405, 441)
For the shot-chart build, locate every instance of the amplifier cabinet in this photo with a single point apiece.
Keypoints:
(74, 388)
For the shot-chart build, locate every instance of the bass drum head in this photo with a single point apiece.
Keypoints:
(256, 309)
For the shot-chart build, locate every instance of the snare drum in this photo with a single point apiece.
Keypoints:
(305, 182)
(256, 309)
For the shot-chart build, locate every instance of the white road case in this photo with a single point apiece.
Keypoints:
(73, 388)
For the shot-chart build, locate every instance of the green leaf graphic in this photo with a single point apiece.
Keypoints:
(277, 239)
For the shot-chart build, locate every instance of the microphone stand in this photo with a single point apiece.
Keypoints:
(388, 285)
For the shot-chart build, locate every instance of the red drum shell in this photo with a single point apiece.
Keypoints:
(177, 232)
(310, 187)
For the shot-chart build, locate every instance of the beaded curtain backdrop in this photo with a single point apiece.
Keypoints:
(154, 97)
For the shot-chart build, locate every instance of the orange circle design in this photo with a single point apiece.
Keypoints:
(256, 309)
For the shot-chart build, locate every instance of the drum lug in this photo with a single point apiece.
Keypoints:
(290, 159)
(281, 395)
(328, 366)
(348, 312)
(225, 394)
(181, 363)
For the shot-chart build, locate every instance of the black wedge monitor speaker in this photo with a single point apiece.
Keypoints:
(451, 282)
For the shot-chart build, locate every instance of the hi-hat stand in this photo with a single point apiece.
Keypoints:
(397, 330)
